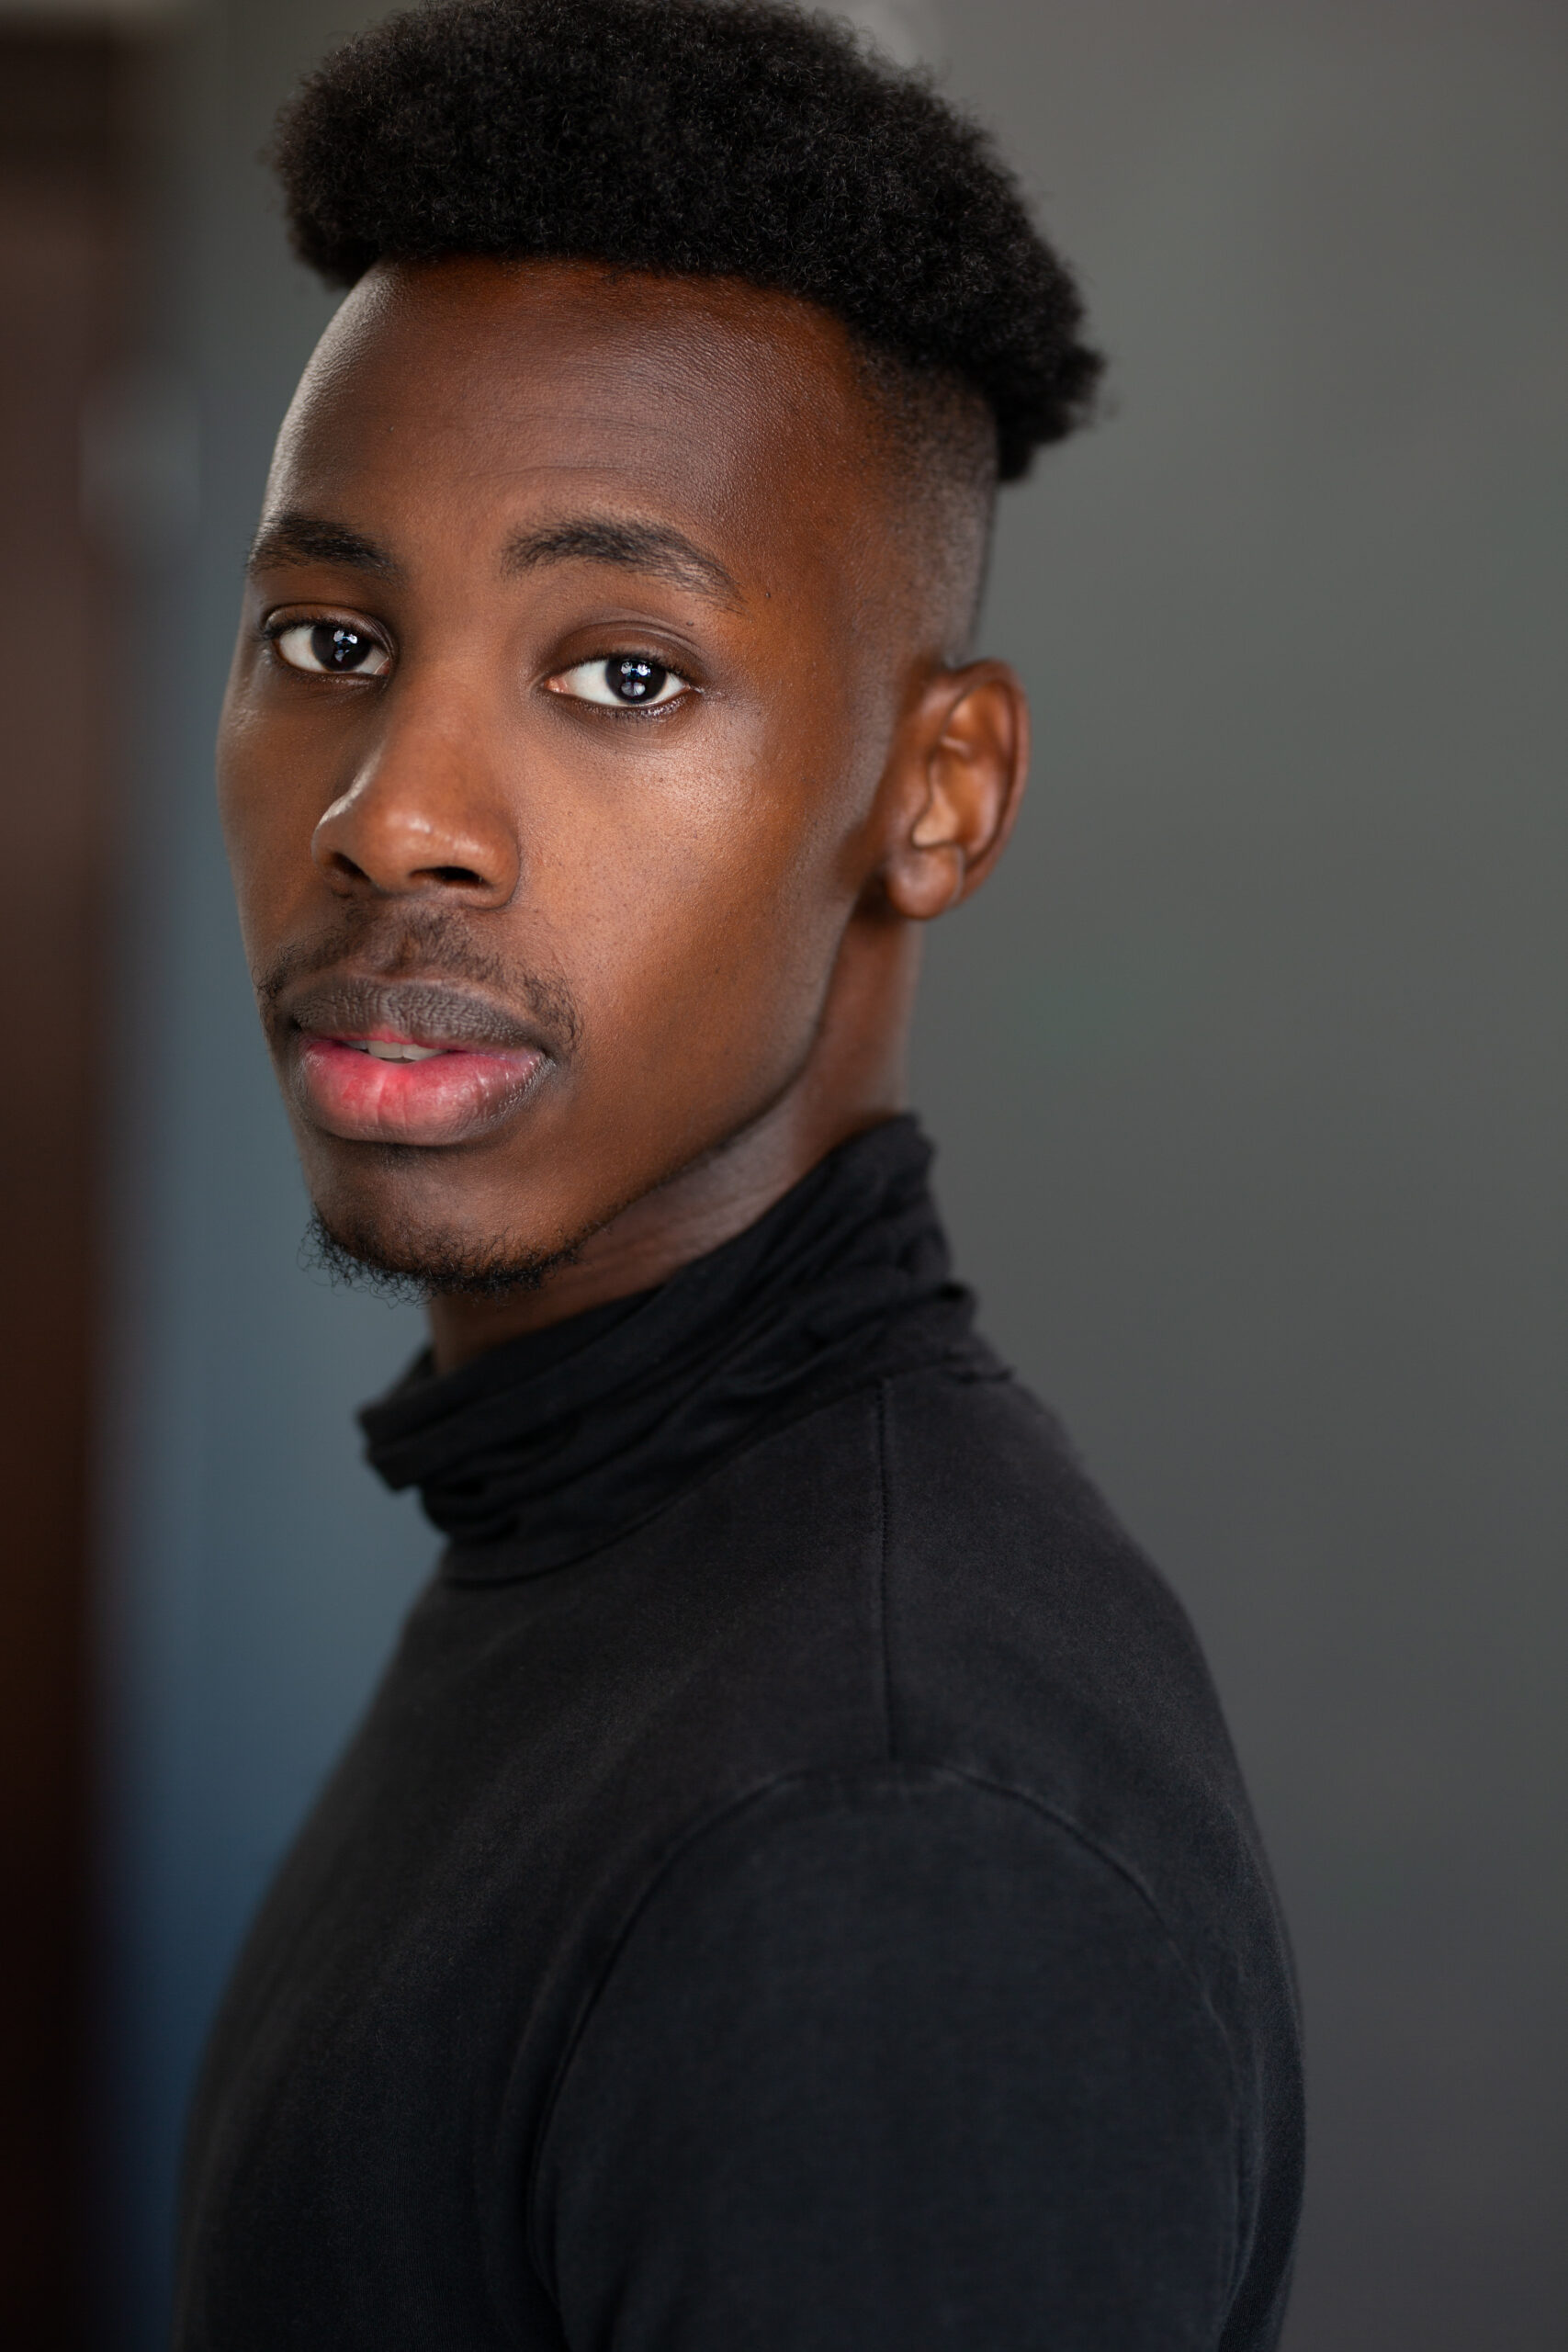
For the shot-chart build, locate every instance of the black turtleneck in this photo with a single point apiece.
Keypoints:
(793, 1890)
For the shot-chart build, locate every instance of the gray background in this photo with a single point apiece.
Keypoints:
(1245, 1070)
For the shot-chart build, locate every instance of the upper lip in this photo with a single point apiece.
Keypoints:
(420, 1012)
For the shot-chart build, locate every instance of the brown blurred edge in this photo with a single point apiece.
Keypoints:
(70, 280)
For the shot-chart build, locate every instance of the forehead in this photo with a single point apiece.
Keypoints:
(465, 396)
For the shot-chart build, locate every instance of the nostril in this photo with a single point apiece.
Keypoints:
(462, 875)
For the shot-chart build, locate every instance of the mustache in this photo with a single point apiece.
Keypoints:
(420, 971)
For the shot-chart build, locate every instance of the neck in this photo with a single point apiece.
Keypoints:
(852, 1079)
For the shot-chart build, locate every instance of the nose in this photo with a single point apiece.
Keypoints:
(426, 815)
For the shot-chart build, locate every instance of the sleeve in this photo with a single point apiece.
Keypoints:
(889, 2067)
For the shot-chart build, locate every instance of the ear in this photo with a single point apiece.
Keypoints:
(962, 758)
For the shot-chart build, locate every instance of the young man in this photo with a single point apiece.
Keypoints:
(793, 1889)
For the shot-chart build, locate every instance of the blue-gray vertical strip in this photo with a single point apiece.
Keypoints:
(254, 1571)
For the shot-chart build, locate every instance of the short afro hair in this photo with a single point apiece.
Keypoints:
(702, 138)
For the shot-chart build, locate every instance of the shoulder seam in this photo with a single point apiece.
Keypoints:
(829, 1776)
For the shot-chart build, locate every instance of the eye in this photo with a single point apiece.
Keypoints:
(330, 649)
(624, 682)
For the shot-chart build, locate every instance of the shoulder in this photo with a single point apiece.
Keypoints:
(1024, 1626)
(894, 1871)
(903, 2035)
(921, 1573)
(1030, 1645)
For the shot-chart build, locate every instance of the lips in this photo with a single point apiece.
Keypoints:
(375, 1061)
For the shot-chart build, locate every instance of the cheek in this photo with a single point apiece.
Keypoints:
(248, 812)
(274, 782)
(707, 912)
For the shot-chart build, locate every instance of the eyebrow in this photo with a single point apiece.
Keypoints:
(311, 538)
(636, 547)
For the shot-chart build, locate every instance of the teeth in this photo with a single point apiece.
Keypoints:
(386, 1049)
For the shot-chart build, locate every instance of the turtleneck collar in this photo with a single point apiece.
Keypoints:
(548, 1446)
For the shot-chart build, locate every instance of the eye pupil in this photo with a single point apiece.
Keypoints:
(337, 647)
(630, 679)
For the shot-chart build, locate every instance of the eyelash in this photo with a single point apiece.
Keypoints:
(275, 631)
(633, 654)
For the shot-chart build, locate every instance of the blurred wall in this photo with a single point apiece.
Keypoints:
(1246, 1071)
(67, 247)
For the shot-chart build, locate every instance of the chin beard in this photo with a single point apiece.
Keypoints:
(363, 1258)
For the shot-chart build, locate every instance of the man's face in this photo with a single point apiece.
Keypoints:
(550, 760)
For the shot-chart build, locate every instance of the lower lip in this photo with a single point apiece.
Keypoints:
(446, 1099)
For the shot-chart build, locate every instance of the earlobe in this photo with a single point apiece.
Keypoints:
(964, 758)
